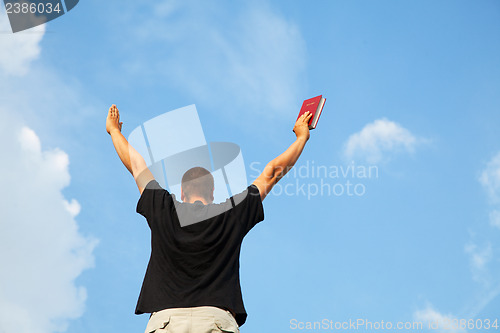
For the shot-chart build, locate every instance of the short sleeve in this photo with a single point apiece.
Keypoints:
(249, 208)
(153, 199)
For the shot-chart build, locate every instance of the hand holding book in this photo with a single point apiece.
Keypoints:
(314, 106)
(301, 128)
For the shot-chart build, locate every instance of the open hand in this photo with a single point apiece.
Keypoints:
(113, 120)
(301, 127)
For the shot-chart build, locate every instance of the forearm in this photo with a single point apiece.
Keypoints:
(284, 162)
(277, 168)
(122, 148)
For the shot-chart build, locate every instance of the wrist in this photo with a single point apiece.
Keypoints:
(303, 139)
(114, 131)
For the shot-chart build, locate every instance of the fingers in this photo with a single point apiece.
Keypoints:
(306, 116)
(113, 112)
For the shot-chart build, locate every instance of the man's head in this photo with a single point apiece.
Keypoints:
(197, 183)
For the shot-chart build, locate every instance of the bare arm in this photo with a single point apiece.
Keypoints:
(132, 160)
(279, 166)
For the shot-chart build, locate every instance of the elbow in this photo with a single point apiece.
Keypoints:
(273, 173)
(137, 169)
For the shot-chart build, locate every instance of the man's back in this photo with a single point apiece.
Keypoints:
(197, 264)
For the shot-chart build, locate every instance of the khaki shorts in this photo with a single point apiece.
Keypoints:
(201, 319)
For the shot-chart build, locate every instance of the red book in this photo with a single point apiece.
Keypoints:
(315, 106)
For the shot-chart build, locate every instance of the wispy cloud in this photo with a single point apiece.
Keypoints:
(490, 179)
(495, 218)
(483, 255)
(436, 321)
(20, 49)
(378, 140)
(479, 257)
(42, 251)
(252, 60)
(483, 300)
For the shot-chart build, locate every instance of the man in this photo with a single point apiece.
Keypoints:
(192, 280)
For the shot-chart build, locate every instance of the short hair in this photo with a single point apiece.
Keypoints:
(198, 181)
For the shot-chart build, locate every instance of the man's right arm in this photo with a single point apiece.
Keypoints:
(278, 167)
(130, 158)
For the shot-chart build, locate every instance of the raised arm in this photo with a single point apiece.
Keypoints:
(278, 167)
(132, 160)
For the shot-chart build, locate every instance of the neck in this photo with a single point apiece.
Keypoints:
(193, 199)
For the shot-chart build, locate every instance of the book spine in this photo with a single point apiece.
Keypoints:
(318, 112)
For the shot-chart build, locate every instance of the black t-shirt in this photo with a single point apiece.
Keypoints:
(196, 264)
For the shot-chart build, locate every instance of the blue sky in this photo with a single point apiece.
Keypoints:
(412, 91)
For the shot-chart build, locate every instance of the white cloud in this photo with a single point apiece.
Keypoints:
(253, 59)
(437, 321)
(72, 207)
(20, 49)
(42, 252)
(377, 140)
(29, 140)
(41, 249)
(490, 179)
